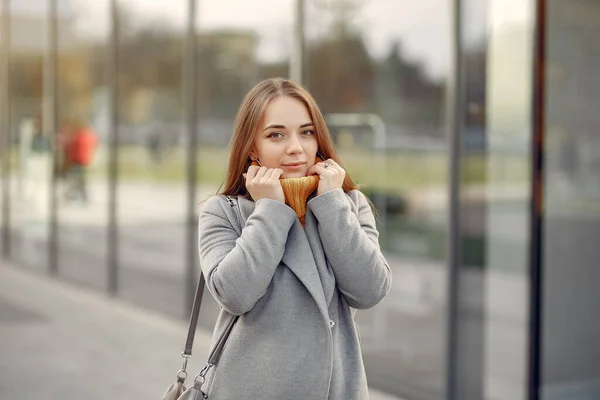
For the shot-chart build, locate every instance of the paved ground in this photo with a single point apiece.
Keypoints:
(60, 342)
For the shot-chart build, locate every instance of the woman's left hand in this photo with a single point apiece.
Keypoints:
(331, 175)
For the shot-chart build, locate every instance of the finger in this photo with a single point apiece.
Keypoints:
(320, 170)
(277, 173)
(261, 172)
(322, 164)
(331, 163)
(245, 175)
(251, 172)
(268, 173)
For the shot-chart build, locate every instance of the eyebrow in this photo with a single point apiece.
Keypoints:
(283, 126)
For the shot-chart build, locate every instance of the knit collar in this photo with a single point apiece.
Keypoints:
(298, 190)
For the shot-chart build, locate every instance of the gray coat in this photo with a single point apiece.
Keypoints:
(296, 291)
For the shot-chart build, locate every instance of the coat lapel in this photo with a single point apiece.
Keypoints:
(326, 275)
(298, 257)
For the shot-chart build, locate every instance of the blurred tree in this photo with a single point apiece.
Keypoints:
(273, 69)
(150, 65)
(27, 75)
(340, 71)
(341, 74)
(150, 68)
(227, 69)
(405, 95)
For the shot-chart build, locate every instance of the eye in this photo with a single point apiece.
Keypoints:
(275, 135)
(308, 132)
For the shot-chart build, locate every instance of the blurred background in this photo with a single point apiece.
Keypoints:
(470, 124)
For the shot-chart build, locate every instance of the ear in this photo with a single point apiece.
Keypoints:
(253, 154)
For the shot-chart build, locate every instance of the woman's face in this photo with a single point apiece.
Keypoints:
(286, 138)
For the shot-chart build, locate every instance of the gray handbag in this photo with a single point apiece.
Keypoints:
(178, 390)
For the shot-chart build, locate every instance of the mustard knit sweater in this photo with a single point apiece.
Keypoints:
(297, 191)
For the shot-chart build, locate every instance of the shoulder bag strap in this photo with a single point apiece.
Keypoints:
(189, 343)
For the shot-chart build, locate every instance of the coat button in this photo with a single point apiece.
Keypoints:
(331, 323)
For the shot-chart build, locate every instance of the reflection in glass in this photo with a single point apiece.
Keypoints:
(151, 156)
(30, 135)
(4, 126)
(472, 222)
(507, 241)
(571, 278)
(81, 151)
(378, 70)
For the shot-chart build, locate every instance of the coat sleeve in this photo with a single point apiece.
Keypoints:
(351, 244)
(238, 269)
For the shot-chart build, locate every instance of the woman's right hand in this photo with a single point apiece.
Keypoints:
(263, 183)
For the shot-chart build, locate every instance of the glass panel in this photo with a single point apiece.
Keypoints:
(378, 69)
(239, 45)
(471, 295)
(83, 139)
(4, 128)
(151, 160)
(507, 194)
(30, 134)
(571, 277)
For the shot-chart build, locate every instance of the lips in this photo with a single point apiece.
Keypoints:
(294, 164)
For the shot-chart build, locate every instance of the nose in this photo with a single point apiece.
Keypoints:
(294, 145)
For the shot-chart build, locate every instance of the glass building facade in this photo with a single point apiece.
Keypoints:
(470, 123)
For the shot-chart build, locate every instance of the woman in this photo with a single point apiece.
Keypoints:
(295, 276)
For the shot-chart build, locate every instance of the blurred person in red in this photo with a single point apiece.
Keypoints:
(80, 148)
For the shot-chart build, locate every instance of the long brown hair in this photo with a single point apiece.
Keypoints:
(246, 124)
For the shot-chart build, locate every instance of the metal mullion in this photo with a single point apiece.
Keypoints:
(112, 228)
(51, 96)
(454, 122)
(190, 115)
(297, 59)
(5, 133)
(536, 205)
